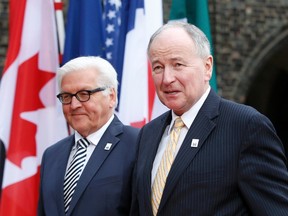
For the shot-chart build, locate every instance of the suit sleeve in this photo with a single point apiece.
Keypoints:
(263, 178)
(40, 209)
(134, 210)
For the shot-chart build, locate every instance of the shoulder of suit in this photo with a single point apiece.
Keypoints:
(65, 140)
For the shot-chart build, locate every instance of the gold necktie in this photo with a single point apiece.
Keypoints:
(165, 165)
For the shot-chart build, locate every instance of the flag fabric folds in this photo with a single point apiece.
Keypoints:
(30, 118)
(195, 12)
(84, 31)
(119, 32)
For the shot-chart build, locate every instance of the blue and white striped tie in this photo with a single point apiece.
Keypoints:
(74, 171)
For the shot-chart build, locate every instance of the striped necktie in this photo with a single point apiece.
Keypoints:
(165, 165)
(74, 171)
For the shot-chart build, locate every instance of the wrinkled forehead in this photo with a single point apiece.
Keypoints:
(171, 36)
(172, 41)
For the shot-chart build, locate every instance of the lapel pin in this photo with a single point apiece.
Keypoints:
(194, 143)
(108, 146)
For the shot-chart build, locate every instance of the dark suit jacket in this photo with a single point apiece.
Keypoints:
(104, 187)
(238, 167)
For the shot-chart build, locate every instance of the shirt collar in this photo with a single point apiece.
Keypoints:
(189, 116)
(96, 136)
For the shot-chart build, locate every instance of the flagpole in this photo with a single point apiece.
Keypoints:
(58, 6)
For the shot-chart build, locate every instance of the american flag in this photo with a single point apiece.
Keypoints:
(114, 35)
(112, 23)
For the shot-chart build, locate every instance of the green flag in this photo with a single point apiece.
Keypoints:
(195, 12)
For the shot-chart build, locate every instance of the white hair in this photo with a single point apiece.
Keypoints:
(106, 74)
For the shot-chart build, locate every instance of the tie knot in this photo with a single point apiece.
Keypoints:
(178, 123)
(83, 143)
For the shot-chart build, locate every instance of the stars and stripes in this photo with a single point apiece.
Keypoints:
(112, 24)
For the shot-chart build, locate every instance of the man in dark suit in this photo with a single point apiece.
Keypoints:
(228, 159)
(101, 152)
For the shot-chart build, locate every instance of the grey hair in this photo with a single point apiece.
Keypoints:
(107, 75)
(202, 44)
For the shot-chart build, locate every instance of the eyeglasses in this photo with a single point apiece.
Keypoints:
(82, 96)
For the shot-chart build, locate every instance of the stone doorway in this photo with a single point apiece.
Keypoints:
(268, 90)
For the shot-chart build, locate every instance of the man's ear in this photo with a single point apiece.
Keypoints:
(112, 96)
(209, 67)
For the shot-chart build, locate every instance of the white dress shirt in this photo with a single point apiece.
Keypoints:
(188, 118)
(93, 138)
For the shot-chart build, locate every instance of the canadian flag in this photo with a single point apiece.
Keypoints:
(30, 117)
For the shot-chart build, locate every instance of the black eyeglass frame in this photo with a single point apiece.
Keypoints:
(89, 93)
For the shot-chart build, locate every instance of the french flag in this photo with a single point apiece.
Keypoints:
(119, 31)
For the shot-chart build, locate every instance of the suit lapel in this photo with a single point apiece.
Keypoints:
(199, 130)
(97, 158)
(153, 140)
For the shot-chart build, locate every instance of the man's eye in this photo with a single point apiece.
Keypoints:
(158, 69)
(83, 93)
(64, 96)
(178, 65)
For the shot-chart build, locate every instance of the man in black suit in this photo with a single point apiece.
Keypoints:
(228, 159)
(102, 160)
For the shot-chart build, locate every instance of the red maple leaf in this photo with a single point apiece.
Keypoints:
(30, 81)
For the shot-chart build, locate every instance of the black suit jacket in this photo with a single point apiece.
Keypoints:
(104, 187)
(238, 167)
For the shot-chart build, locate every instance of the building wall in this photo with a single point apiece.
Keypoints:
(3, 31)
(245, 34)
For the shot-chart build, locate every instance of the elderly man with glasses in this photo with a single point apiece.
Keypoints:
(89, 172)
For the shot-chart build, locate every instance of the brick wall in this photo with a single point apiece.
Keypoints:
(243, 31)
(3, 31)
